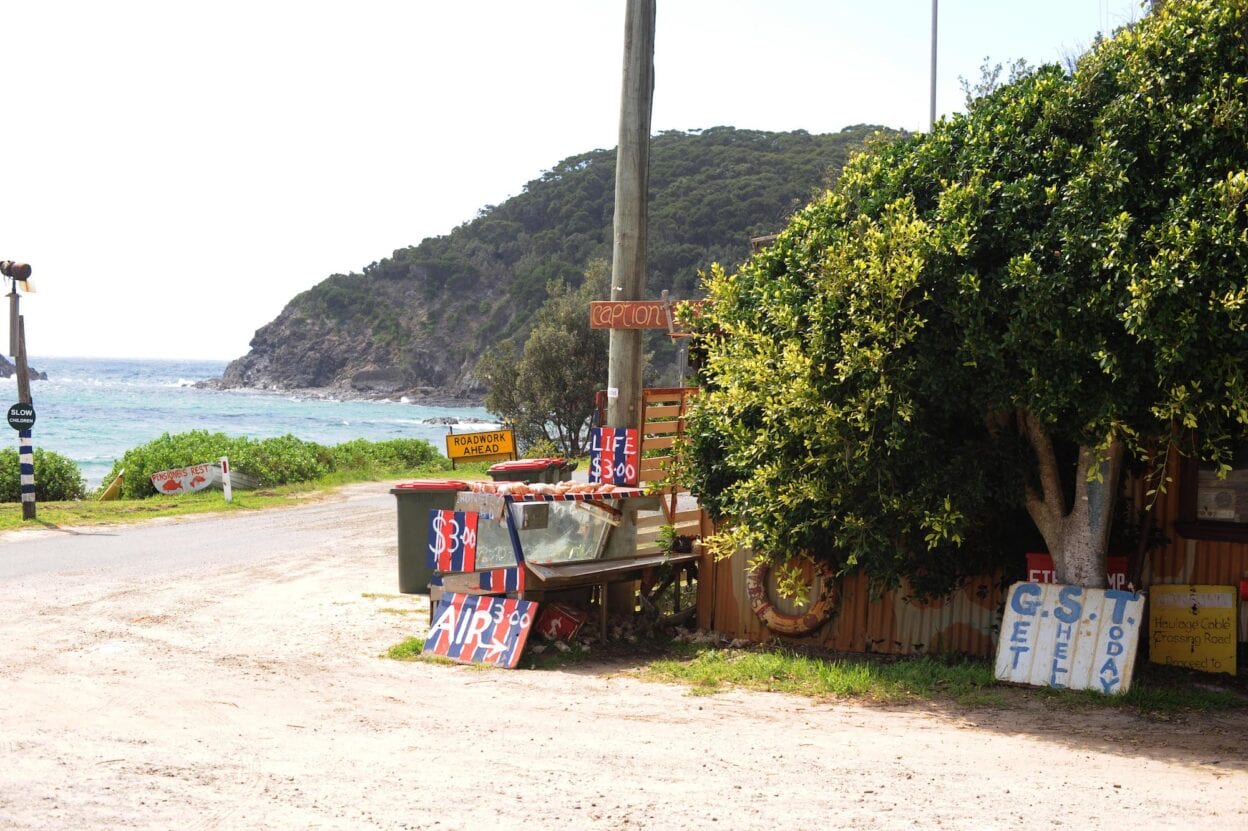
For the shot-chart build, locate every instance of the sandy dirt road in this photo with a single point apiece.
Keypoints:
(244, 690)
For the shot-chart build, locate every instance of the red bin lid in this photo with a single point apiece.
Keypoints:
(432, 485)
(526, 464)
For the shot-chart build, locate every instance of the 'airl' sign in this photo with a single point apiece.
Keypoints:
(1069, 637)
(480, 630)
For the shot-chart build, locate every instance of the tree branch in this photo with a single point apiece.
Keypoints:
(1046, 462)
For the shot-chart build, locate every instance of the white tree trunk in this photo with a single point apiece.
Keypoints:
(1077, 535)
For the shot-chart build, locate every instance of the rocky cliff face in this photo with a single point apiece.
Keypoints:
(416, 323)
(355, 355)
(7, 370)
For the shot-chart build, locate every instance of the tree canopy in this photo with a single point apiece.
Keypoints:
(545, 387)
(993, 315)
(428, 311)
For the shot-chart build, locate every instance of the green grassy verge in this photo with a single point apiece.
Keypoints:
(123, 511)
(969, 682)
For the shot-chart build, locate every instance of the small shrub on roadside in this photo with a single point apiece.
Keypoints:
(393, 454)
(57, 479)
(279, 461)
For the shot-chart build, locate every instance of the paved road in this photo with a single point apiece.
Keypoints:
(167, 546)
(229, 673)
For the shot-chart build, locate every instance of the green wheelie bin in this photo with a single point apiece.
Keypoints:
(415, 500)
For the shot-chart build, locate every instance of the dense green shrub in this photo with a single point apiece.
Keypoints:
(274, 461)
(57, 478)
(279, 461)
(394, 454)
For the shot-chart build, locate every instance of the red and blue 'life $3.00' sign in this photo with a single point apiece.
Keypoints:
(614, 456)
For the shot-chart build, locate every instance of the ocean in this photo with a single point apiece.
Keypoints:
(93, 410)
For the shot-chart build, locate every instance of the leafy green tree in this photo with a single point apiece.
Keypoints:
(545, 389)
(996, 314)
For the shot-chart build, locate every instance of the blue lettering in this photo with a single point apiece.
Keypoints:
(1064, 632)
(1025, 607)
(1019, 635)
(1114, 648)
(1108, 684)
(1116, 632)
(1060, 650)
(1058, 669)
(1018, 653)
(1070, 608)
(1121, 599)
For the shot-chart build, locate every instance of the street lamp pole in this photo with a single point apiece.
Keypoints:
(931, 122)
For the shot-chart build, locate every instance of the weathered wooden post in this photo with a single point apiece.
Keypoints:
(632, 166)
(628, 262)
(20, 272)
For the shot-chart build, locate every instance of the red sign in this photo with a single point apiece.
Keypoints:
(559, 622)
(480, 629)
(184, 479)
(628, 314)
(452, 540)
(1040, 570)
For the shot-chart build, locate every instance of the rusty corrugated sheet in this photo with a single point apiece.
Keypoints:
(865, 622)
(966, 622)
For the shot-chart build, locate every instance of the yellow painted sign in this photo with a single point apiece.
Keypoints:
(488, 445)
(1193, 627)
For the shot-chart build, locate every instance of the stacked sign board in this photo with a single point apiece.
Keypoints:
(468, 562)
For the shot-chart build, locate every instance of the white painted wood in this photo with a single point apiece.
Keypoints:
(1069, 637)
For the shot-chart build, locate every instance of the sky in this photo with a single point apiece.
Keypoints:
(176, 172)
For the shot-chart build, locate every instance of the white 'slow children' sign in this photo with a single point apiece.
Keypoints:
(1070, 637)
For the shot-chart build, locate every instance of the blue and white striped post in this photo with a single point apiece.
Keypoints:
(26, 457)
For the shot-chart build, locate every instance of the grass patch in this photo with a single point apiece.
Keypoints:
(408, 650)
(390, 610)
(1156, 691)
(710, 670)
(126, 511)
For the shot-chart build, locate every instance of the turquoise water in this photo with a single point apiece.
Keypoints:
(93, 410)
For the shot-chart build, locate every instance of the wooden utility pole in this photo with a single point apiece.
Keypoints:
(20, 272)
(632, 175)
(628, 260)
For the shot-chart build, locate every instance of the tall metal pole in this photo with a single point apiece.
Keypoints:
(931, 122)
(632, 168)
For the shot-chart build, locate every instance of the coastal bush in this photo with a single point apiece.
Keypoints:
(273, 461)
(57, 479)
(393, 454)
(279, 461)
(166, 452)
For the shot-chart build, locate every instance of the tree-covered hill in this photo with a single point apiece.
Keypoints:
(417, 321)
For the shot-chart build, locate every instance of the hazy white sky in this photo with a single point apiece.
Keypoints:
(175, 172)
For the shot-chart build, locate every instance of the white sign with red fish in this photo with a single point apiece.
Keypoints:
(185, 479)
